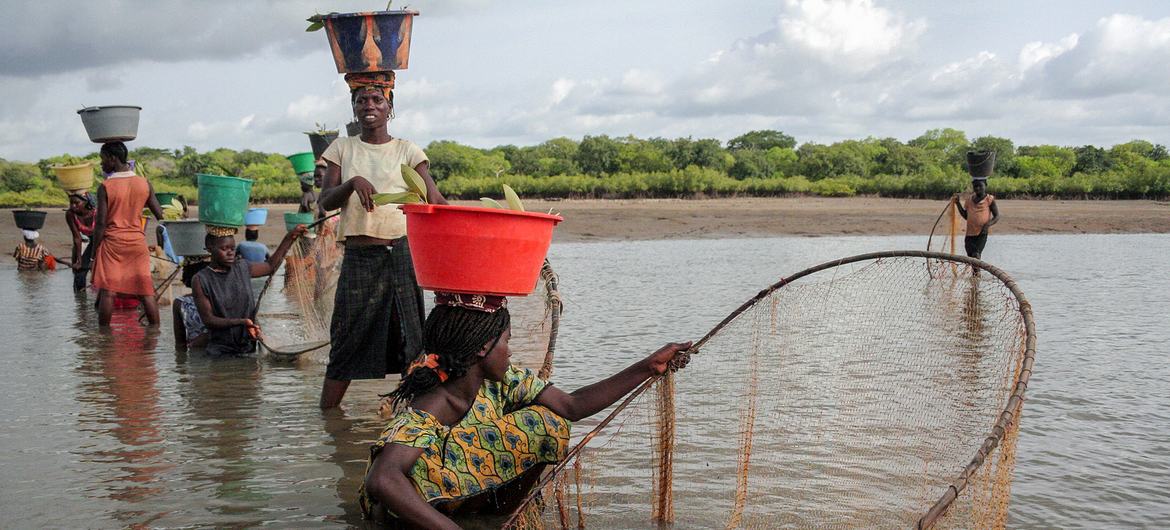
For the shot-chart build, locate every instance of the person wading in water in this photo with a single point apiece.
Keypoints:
(81, 218)
(979, 208)
(378, 309)
(122, 258)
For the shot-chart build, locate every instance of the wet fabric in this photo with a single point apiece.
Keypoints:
(230, 293)
(377, 313)
(122, 261)
(192, 323)
(81, 274)
(974, 245)
(978, 213)
(30, 258)
(503, 435)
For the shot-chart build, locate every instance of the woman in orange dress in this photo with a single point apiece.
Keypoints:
(123, 260)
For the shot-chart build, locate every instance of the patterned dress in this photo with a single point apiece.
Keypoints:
(502, 436)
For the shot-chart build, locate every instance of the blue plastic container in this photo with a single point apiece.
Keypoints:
(256, 216)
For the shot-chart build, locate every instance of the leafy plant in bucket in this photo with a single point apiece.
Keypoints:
(317, 21)
(510, 197)
(416, 190)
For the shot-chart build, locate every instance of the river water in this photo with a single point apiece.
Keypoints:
(117, 428)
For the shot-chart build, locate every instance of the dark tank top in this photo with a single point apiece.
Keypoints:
(231, 297)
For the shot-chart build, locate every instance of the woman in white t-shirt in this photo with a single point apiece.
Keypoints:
(372, 339)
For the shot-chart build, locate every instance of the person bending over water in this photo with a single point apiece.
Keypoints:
(81, 218)
(223, 293)
(189, 328)
(451, 447)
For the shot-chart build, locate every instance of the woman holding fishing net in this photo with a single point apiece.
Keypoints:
(473, 432)
(370, 340)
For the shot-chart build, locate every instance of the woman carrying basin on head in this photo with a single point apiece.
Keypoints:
(121, 256)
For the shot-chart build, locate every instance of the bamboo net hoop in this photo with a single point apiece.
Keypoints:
(863, 392)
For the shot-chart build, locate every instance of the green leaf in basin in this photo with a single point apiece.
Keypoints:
(400, 198)
(489, 202)
(414, 181)
(513, 199)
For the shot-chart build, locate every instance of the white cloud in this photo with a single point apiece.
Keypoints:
(854, 34)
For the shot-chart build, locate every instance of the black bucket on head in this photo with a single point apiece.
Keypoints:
(980, 164)
(320, 141)
(29, 219)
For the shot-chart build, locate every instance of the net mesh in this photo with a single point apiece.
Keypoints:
(861, 394)
(300, 327)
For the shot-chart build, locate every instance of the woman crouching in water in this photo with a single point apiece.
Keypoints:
(462, 400)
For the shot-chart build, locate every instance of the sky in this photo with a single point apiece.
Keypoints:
(245, 74)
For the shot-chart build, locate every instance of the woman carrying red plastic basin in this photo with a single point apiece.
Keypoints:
(371, 340)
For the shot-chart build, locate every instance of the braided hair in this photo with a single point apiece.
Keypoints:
(456, 335)
(116, 150)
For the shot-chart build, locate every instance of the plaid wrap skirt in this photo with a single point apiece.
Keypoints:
(377, 314)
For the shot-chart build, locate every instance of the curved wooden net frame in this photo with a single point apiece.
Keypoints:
(863, 392)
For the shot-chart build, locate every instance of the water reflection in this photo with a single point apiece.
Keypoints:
(222, 399)
(123, 402)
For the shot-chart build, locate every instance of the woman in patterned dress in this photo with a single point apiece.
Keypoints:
(472, 432)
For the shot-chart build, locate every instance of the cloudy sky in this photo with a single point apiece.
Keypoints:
(244, 74)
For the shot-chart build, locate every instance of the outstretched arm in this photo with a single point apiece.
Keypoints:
(590, 400)
(388, 483)
(264, 268)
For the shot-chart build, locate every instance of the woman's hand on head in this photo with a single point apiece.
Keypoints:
(364, 191)
(659, 361)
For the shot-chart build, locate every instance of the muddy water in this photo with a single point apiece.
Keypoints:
(116, 428)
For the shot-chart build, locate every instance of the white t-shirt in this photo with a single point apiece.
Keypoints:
(381, 164)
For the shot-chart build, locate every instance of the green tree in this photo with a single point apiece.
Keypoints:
(1062, 158)
(599, 155)
(641, 156)
(1091, 159)
(19, 177)
(762, 140)
(451, 159)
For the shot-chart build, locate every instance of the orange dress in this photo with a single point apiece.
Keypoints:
(122, 264)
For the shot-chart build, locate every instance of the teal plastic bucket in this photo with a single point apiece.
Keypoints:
(303, 162)
(165, 197)
(292, 219)
(223, 201)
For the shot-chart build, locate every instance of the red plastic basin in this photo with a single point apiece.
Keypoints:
(465, 249)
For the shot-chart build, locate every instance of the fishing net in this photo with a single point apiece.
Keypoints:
(945, 237)
(862, 393)
(299, 328)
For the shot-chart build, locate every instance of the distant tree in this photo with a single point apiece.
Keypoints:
(451, 159)
(1091, 159)
(949, 146)
(762, 140)
(1062, 158)
(1159, 153)
(599, 155)
(18, 177)
(901, 159)
(641, 156)
(706, 152)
